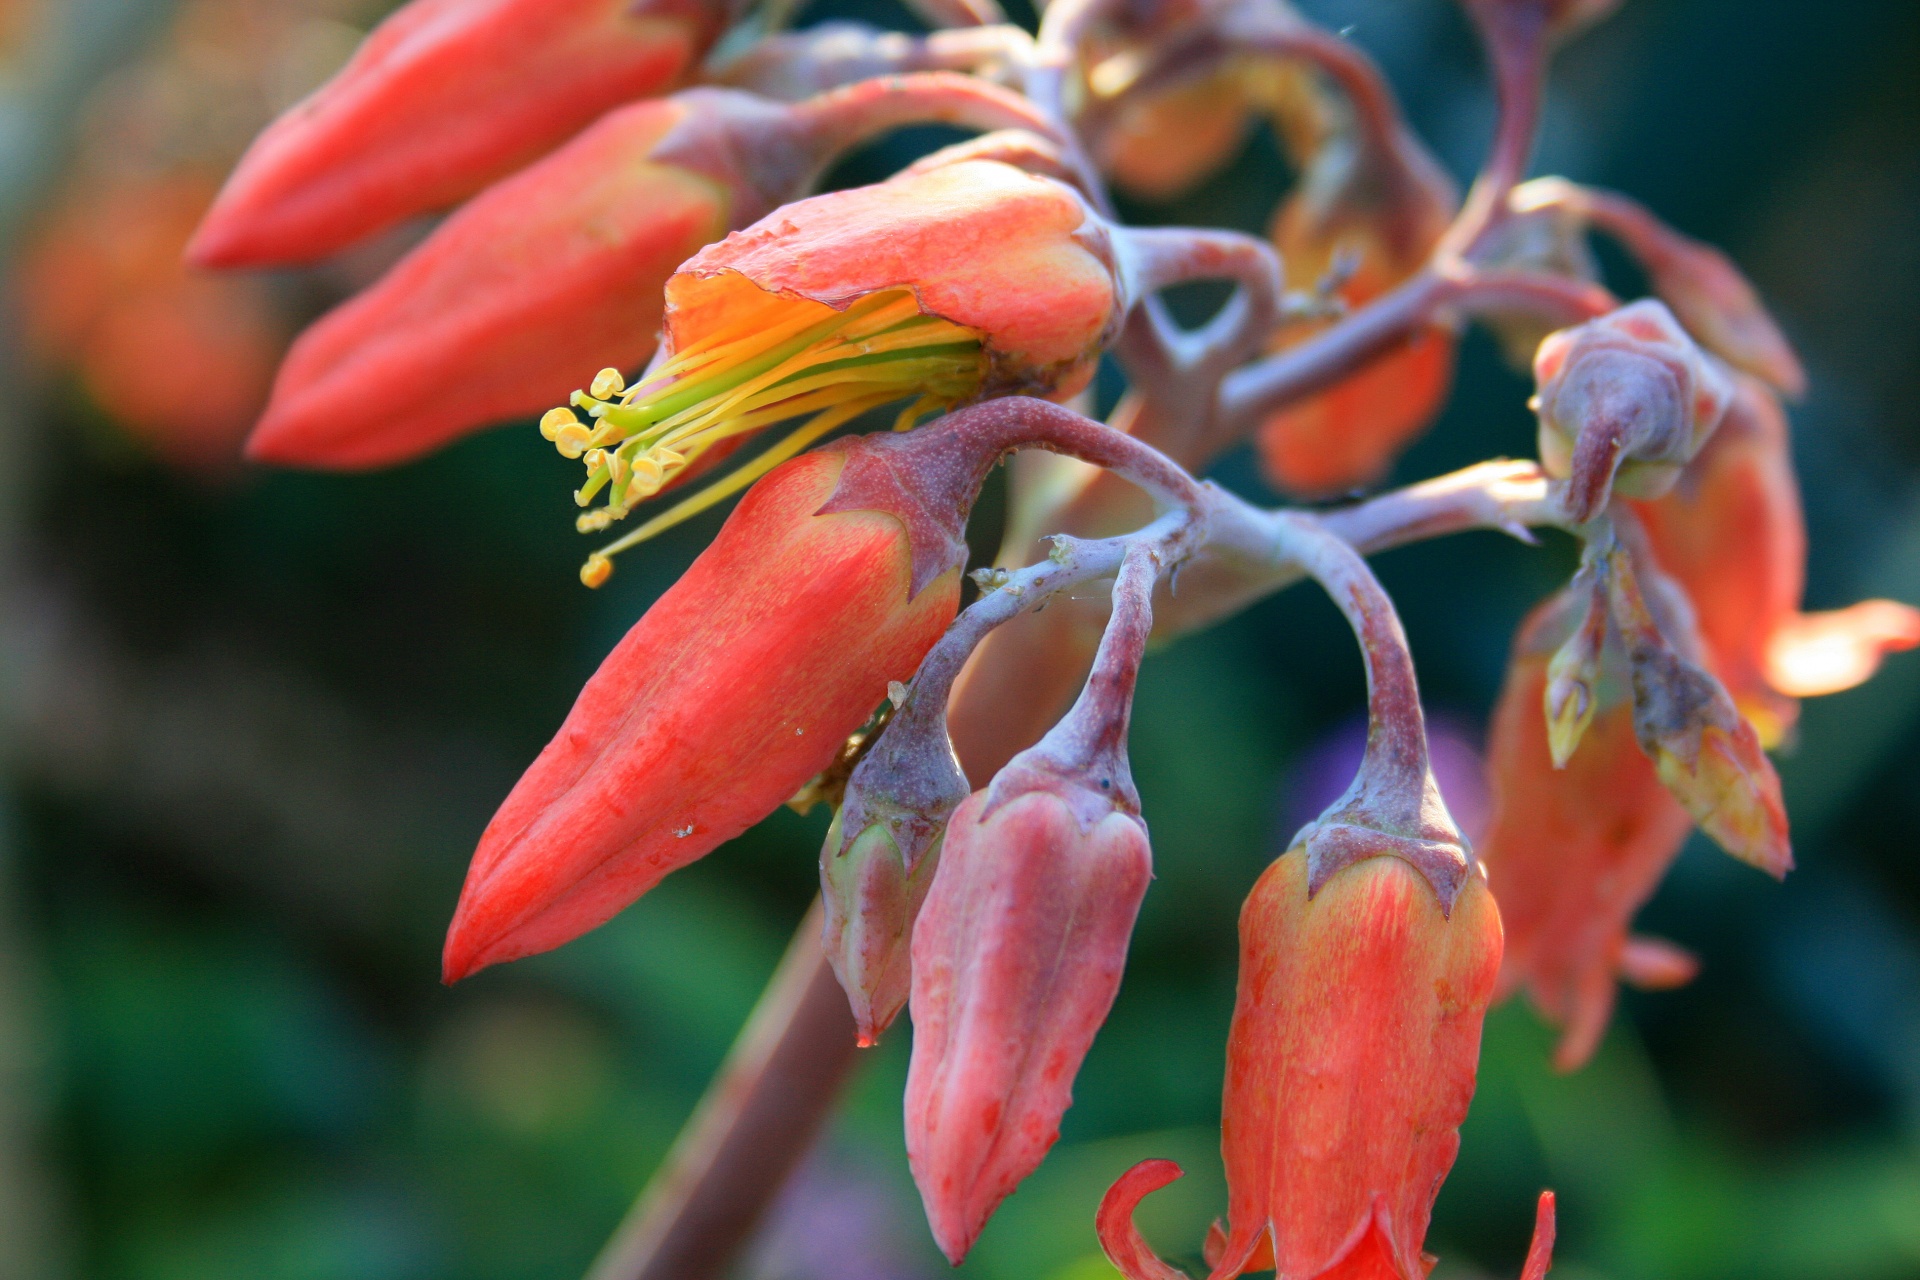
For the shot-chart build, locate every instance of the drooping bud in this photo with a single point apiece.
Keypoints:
(489, 317)
(1019, 949)
(1574, 672)
(937, 287)
(833, 577)
(443, 98)
(1704, 750)
(872, 896)
(1625, 402)
(1732, 535)
(1573, 852)
(1368, 955)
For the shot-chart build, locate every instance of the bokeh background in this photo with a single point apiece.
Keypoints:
(253, 722)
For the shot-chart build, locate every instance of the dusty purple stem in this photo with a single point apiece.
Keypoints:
(1394, 804)
(1517, 43)
(1083, 758)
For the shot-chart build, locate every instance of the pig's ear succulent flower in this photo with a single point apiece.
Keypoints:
(1368, 956)
(1019, 948)
(938, 287)
(737, 686)
(441, 99)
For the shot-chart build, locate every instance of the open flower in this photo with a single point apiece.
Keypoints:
(738, 685)
(937, 287)
(443, 97)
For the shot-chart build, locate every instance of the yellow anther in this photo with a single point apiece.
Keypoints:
(554, 419)
(571, 439)
(595, 459)
(606, 384)
(596, 570)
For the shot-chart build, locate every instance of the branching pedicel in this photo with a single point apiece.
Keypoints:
(674, 241)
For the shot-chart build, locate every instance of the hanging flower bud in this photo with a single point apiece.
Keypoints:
(1366, 215)
(1019, 948)
(443, 98)
(1350, 1063)
(1732, 534)
(1625, 402)
(1573, 675)
(1368, 955)
(488, 318)
(1572, 850)
(872, 895)
(739, 684)
(1705, 752)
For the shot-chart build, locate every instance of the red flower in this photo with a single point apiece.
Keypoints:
(1350, 1065)
(739, 684)
(495, 314)
(443, 98)
(1574, 853)
(1017, 957)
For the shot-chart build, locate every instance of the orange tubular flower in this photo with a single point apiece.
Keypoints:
(488, 318)
(1350, 1065)
(1732, 534)
(739, 684)
(1574, 853)
(443, 98)
(1017, 957)
(1019, 948)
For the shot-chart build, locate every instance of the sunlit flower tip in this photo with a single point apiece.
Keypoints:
(1017, 956)
(1722, 776)
(1811, 654)
(933, 288)
(872, 899)
(1573, 853)
(1707, 753)
(441, 99)
(1572, 676)
(492, 316)
(1624, 402)
(736, 687)
(1350, 1064)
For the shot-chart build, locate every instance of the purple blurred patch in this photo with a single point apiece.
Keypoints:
(1325, 769)
(835, 1222)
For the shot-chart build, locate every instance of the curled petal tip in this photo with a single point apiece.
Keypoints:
(1120, 1239)
(1654, 964)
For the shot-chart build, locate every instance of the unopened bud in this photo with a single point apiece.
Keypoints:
(1572, 675)
(872, 896)
(1625, 402)
(1705, 751)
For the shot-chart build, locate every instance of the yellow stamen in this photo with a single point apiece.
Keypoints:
(778, 358)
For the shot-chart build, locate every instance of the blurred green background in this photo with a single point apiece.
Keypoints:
(253, 723)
